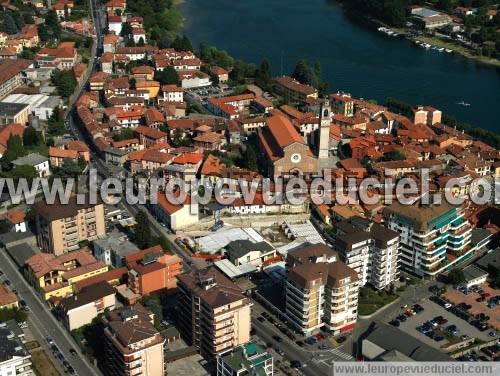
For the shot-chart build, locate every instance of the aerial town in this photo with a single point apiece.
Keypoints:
(252, 287)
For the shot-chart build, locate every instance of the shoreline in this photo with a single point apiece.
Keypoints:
(461, 51)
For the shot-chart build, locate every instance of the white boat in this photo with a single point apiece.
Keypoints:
(449, 51)
(441, 49)
(462, 103)
(426, 45)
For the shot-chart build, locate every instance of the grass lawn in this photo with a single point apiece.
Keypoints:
(42, 364)
(371, 301)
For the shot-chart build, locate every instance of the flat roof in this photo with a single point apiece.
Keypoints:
(491, 258)
(306, 230)
(214, 242)
(232, 271)
(473, 272)
(11, 109)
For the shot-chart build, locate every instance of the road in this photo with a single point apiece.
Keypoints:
(43, 320)
(413, 294)
(157, 229)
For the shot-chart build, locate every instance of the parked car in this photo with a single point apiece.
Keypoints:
(73, 352)
(418, 308)
(296, 364)
(453, 329)
(402, 318)
(341, 339)
(310, 341)
(395, 323)
(280, 352)
(277, 338)
(300, 343)
(324, 346)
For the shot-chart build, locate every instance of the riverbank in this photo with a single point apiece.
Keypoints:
(455, 46)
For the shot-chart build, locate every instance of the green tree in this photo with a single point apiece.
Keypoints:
(264, 77)
(141, 42)
(31, 137)
(52, 22)
(132, 83)
(70, 168)
(10, 26)
(167, 76)
(56, 123)
(394, 155)
(250, 158)
(124, 134)
(65, 82)
(142, 233)
(24, 171)
(126, 31)
(456, 276)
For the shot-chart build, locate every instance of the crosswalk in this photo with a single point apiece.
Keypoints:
(328, 357)
(341, 355)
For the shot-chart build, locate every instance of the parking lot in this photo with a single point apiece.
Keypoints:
(432, 310)
(457, 297)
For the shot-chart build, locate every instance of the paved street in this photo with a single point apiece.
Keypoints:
(316, 361)
(43, 320)
(413, 294)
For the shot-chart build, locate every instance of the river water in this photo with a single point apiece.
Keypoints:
(354, 58)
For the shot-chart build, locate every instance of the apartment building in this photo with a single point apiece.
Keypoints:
(294, 90)
(152, 270)
(133, 346)
(55, 275)
(248, 359)
(214, 311)
(370, 249)
(432, 237)
(80, 309)
(320, 290)
(12, 75)
(342, 103)
(60, 227)
(14, 359)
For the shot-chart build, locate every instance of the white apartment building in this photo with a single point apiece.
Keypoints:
(320, 290)
(214, 312)
(370, 249)
(428, 234)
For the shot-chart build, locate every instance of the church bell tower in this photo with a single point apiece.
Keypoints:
(325, 117)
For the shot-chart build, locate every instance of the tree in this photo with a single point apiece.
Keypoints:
(56, 123)
(126, 31)
(70, 168)
(394, 155)
(24, 171)
(132, 83)
(167, 76)
(456, 276)
(141, 42)
(65, 82)
(125, 134)
(10, 26)
(250, 158)
(445, 5)
(182, 43)
(52, 22)
(142, 233)
(31, 137)
(264, 77)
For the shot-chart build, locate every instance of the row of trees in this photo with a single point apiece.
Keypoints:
(64, 81)
(161, 18)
